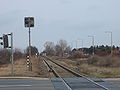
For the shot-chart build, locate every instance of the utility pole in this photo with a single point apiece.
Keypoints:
(111, 38)
(93, 44)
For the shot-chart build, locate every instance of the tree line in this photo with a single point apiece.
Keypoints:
(102, 50)
(62, 48)
(5, 54)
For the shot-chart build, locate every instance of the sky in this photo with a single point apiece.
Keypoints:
(70, 20)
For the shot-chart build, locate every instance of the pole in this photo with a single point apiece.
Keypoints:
(111, 42)
(111, 45)
(93, 44)
(78, 41)
(76, 44)
(29, 42)
(12, 62)
(82, 44)
(71, 44)
(30, 66)
(81, 40)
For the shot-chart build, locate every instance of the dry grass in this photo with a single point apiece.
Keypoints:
(20, 68)
(95, 70)
(108, 61)
(100, 72)
(5, 70)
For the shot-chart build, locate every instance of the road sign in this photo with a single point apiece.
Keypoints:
(29, 21)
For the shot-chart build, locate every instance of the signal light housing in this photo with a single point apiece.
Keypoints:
(5, 41)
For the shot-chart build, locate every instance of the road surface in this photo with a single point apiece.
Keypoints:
(26, 84)
(53, 84)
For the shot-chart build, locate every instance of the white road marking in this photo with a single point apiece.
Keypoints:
(3, 86)
(24, 78)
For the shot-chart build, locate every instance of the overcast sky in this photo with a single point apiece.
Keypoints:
(61, 19)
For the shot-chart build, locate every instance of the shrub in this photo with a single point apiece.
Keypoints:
(107, 61)
(76, 54)
(18, 54)
(5, 56)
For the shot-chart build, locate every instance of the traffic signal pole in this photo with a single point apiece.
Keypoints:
(29, 22)
(29, 42)
(5, 44)
(12, 62)
(30, 66)
(12, 55)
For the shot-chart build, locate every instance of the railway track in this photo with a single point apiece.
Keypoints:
(60, 71)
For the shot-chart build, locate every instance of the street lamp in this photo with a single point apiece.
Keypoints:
(76, 44)
(71, 44)
(81, 43)
(92, 44)
(111, 41)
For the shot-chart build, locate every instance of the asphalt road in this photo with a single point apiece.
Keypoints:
(55, 84)
(113, 81)
(25, 84)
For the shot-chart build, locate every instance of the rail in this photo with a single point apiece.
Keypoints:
(75, 73)
(57, 75)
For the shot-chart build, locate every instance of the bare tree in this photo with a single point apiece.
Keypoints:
(68, 50)
(63, 47)
(49, 48)
(34, 50)
(18, 54)
(58, 50)
(5, 56)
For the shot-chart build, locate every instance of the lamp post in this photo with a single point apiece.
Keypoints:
(81, 43)
(93, 44)
(111, 38)
(71, 44)
(74, 41)
(76, 44)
